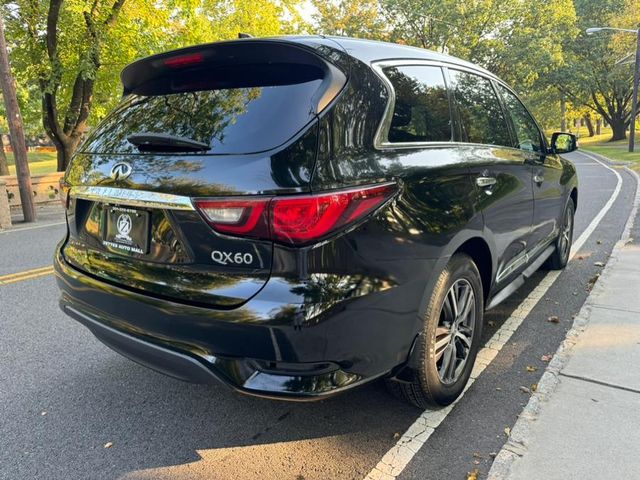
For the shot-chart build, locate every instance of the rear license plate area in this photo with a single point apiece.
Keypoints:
(126, 230)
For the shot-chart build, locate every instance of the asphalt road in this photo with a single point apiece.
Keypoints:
(63, 395)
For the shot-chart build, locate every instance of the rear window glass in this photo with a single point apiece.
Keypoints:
(241, 109)
(421, 112)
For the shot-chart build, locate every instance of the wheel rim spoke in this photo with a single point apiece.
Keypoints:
(443, 338)
(454, 334)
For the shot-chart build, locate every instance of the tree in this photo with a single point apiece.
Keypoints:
(4, 164)
(15, 127)
(592, 78)
(71, 52)
(352, 18)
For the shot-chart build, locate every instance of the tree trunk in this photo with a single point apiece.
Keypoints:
(4, 164)
(14, 119)
(599, 126)
(589, 124)
(64, 151)
(563, 113)
(619, 128)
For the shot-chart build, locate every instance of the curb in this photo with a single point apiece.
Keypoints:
(517, 443)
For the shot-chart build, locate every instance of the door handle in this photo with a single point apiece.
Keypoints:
(538, 178)
(485, 182)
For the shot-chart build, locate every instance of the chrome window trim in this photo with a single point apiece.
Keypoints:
(133, 198)
(380, 142)
(380, 139)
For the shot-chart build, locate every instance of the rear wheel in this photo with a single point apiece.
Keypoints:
(449, 341)
(560, 256)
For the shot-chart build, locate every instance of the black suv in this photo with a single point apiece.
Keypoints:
(297, 216)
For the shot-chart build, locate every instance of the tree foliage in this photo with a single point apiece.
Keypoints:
(592, 78)
(68, 54)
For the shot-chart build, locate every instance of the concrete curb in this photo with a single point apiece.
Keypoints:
(517, 443)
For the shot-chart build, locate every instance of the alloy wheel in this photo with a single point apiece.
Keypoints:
(454, 333)
(565, 234)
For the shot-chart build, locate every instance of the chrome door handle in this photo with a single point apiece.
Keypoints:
(538, 178)
(485, 182)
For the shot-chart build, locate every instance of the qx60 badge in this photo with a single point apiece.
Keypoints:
(121, 170)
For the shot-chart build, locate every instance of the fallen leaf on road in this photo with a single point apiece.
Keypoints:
(477, 455)
(598, 264)
(476, 462)
(491, 323)
(524, 389)
(534, 387)
(546, 358)
(493, 454)
(473, 474)
(507, 431)
(531, 368)
(396, 436)
(553, 319)
(108, 445)
(599, 242)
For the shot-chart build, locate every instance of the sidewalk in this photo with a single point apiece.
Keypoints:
(46, 214)
(584, 421)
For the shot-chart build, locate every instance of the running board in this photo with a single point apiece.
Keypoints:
(518, 282)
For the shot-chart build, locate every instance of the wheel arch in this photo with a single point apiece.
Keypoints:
(478, 249)
(573, 195)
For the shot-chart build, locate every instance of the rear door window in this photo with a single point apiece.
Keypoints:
(421, 112)
(481, 117)
(527, 131)
(235, 110)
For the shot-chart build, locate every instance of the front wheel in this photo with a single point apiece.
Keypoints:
(560, 256)
(449, 341)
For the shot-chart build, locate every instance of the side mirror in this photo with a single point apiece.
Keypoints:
(562, 142)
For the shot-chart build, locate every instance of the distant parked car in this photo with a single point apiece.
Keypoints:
(297, 216)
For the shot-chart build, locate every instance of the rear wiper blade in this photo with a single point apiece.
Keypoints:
(161, 142)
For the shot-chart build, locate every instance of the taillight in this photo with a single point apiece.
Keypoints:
(237, 217)
(295, 220)
(182, 61)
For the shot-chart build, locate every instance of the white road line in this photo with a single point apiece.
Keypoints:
(399, 456)
(32, 227)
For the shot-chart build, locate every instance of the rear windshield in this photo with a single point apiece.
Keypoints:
(235, 110)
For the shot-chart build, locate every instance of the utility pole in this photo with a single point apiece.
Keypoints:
(634, 102)
(14, 119)
(563, 113)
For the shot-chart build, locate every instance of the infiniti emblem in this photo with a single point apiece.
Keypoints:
(120, 171)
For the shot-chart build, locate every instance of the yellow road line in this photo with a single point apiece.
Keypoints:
(26, 275)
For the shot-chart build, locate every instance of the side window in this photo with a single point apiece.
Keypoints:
(421, 112)
(526, 129)
(481, 116)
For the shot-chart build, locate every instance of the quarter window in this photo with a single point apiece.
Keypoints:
(481, 116)
(526, 129)
(421, 112)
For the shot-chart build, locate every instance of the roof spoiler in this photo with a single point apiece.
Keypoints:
(247, 51)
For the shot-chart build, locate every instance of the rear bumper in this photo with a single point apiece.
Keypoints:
(190, 368)
(264, 348)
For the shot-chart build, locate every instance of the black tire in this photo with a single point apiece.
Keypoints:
(560, 256)
(431, 385)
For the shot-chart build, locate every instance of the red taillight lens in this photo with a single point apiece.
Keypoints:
(184, 60)
(295, 220)
(303, 219)
(237, 217)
